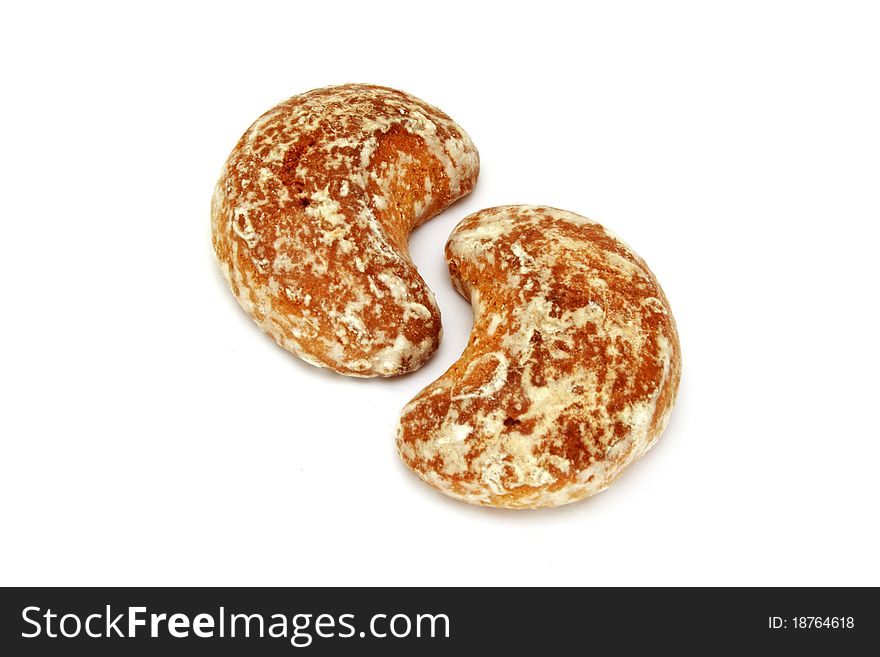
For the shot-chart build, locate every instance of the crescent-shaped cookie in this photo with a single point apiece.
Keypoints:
(571, 371)
(311, 218)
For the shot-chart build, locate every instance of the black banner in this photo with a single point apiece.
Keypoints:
(168, 621)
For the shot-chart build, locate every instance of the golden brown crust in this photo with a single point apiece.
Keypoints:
(311, 217)
(571, 371)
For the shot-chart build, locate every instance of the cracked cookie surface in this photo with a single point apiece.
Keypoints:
(571, 371)
(311, 217)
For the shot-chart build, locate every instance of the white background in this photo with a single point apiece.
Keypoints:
(151, 434)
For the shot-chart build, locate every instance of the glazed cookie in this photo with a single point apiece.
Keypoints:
(571, 371)
(311, 217)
